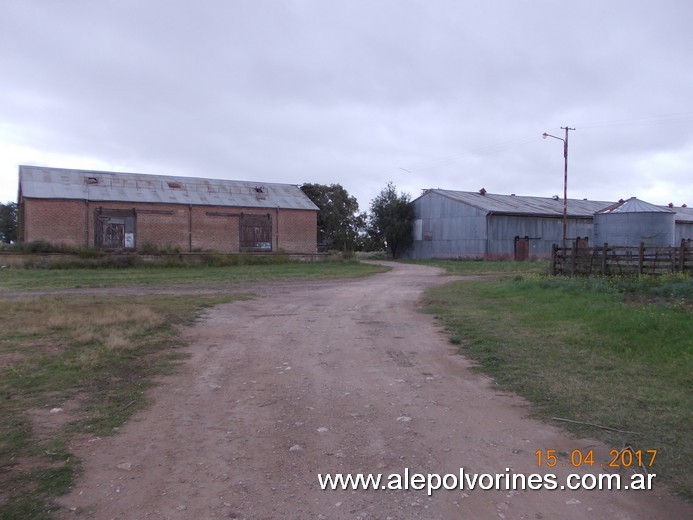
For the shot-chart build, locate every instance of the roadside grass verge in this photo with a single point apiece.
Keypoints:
(488, 267)
(17, 279)
(616, 352)
(71, 367)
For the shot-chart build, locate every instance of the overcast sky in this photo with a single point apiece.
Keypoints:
(424, 93)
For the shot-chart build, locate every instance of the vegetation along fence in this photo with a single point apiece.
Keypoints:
(621, 260)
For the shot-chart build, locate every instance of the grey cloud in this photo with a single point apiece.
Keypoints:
(457, 93)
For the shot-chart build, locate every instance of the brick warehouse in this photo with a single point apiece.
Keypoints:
(127, 211)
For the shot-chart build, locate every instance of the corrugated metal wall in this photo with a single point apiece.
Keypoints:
(448, 228)
(543, 232)
(683, 231)
(630, 229)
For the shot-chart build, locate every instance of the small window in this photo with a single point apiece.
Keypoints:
(175, 185)
(91, 180)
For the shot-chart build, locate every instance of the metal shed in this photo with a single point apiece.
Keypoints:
(458, 224)
(683, 223)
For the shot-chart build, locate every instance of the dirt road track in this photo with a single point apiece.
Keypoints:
(327, 377)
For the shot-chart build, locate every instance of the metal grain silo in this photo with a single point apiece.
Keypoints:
(631, 222)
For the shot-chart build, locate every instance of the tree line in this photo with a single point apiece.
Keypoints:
(341, 226)
(8, 222)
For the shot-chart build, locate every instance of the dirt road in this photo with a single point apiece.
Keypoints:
(328, 377)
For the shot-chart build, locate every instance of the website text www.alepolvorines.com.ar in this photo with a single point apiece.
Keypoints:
(507, 481)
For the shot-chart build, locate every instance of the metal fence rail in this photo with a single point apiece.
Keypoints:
(609, 260)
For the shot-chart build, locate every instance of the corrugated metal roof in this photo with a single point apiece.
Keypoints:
(57, 183)
(684, 214)
(523, 205)
(634, 205)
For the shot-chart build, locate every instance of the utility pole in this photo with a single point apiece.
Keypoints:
(565, 178)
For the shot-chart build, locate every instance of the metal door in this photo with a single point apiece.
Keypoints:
(521, 248)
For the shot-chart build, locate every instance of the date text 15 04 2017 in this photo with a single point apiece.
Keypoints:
(579, 458)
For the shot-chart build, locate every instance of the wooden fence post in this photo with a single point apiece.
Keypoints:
(606, 248)
(554, 254)
(682, 255)
(641, 257)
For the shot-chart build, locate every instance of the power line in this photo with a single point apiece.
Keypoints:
(501, 146)
(472, 152)
(650, 120)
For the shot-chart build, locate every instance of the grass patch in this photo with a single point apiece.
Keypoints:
(93, 358)
(12, 279)
(488, 267)
(615, 352)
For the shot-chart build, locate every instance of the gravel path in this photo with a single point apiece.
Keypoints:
(327, 377)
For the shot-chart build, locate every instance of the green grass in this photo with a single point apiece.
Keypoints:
(488, 267)
(613, 352)
(202, 277)
(93, 357)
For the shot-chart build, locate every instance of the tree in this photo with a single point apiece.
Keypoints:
(392, 220)
(339, 221)
(8, 222)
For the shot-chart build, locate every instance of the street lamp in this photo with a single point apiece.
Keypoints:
(565, 176)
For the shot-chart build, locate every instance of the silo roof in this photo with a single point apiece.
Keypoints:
(634, 205)
(58, 183)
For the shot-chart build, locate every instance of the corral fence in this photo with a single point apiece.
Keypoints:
(605, 260)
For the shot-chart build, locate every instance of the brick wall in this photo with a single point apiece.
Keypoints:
(298, 231)
(56, 221)
(206, 228)
(214, 229)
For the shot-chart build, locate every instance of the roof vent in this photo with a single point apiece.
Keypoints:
(621, 201)
(91, 180)
(671, 204)
(555, 197)
(512, 194)
(260, 193)
(683, 206)
(482, 191)
(175, 185)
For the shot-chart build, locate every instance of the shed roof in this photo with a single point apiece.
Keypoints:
(58, 183)
(522, 205)
(683, 214)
